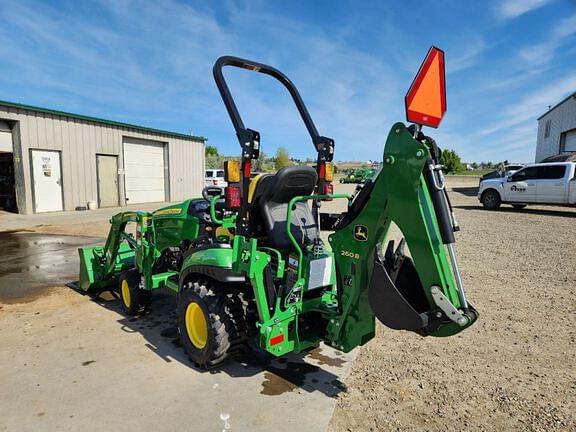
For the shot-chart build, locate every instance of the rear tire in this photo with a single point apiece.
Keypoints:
(211, 322)
(518, 206)
(491, 200)
(133, 297)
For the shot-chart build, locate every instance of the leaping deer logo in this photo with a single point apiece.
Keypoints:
(361, 233)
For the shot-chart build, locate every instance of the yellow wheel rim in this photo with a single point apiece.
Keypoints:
(196, 325)
(126, 294)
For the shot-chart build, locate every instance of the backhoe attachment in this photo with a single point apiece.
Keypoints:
(416, 286)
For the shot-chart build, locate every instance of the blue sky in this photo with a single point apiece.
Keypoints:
(150, 63)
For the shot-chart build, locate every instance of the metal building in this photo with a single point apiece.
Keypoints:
(557, 130)
(52, 161)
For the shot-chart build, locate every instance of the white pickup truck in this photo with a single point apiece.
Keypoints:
(544, 183)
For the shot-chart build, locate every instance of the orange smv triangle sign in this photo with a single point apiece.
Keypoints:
(426, 98)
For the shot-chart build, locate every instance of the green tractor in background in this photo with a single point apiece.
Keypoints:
(249, 266)
(358, 176)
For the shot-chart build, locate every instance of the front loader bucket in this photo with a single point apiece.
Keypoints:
(91, 267)
(98, 272)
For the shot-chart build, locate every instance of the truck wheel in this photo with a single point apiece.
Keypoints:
(211, 323)
(491, 200)
(133, 297)
(518, 206)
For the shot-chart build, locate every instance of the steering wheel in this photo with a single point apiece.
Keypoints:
(211, 191)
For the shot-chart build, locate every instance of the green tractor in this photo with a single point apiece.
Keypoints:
(358, 176)
(249, 266)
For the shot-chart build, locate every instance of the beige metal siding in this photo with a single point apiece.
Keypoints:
(562, 119)
(80, 141)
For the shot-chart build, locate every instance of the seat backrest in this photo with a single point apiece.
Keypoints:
(275, 193)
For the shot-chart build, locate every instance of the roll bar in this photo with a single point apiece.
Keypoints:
(250, 139)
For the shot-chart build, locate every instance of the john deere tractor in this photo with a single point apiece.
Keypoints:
(360, 175)
(249, 266)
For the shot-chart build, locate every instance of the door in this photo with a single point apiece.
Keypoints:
(569, 139)
(107, 169)
(551, 187)
(47, 180)
(521, 186)
(144, 171)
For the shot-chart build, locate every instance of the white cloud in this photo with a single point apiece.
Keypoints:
(509, 9)
(543, 52)
(529, 108)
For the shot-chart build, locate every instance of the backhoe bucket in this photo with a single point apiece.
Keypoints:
(399, 301)
(390, 304)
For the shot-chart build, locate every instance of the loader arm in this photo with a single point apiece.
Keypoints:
(100, 266)
(417, 293)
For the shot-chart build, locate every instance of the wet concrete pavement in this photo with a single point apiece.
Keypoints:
(75, 362)
(31, 262)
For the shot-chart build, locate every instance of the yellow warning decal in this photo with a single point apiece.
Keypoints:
(168, 211)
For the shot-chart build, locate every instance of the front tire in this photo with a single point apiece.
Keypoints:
(133, 297)
(491, 200)
(211, 323)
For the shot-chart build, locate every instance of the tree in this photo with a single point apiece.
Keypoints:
(451, 161)
(260, 163)
(211, 151)
(282, 158)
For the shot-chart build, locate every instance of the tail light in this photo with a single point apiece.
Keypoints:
(328, 190)
(233, 197)
(232, 171)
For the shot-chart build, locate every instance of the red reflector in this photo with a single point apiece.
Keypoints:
(322, 173)
(328, 189)
(277, 339)
(247, 168)
(233, 197)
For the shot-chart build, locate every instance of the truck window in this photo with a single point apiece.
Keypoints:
(529, 173)
(551, 172)
(209, 174)
(220, 173)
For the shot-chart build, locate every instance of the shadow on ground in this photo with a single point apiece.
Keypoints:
(468, 191)
(527, 210)
(280, 375)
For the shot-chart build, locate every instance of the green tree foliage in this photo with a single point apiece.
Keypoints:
(211, 151)
(282, 158)
(451, 161)
(212, 157)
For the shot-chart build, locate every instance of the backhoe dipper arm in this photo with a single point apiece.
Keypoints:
(416, 292)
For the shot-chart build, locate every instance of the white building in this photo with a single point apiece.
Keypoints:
(557, 130)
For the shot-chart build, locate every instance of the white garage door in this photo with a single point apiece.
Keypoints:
(144, 171)
(570, 141)
(5, 137)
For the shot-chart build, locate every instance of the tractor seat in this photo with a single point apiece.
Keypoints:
(269, 196)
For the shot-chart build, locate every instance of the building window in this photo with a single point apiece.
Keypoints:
(547, 128)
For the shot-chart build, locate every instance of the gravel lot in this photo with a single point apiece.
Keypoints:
(515, 369)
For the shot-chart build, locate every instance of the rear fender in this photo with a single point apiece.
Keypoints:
(214, 261)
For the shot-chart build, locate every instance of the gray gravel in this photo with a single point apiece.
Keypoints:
(515, 368)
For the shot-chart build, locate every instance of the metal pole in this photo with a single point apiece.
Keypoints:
(461, 295)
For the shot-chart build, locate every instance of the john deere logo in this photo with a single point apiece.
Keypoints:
(361, 233)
